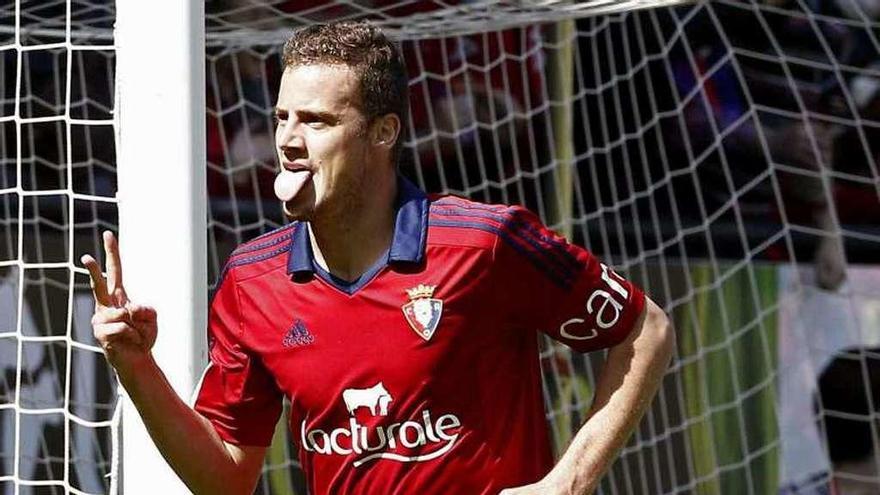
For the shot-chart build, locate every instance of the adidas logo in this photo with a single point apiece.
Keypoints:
(298, 335)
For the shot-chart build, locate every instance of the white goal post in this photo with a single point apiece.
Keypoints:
(160, 125)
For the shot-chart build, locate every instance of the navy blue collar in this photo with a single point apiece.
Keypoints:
(407, 245)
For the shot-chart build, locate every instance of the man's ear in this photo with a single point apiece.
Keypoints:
(386, 130)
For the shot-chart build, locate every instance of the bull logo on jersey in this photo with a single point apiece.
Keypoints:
(375, 398)
(371, 437)
(423, 312)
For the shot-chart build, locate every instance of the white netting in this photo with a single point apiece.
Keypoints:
(57, 184)
(720, 154)
(249, 22)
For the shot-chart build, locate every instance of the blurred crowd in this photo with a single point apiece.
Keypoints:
(796, 87)
(744, 120)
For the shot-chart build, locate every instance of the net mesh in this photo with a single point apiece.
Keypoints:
(722, 155)
(57, 184)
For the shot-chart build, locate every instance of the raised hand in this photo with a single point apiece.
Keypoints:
(125, 330)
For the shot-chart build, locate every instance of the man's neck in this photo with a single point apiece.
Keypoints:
(349, 243)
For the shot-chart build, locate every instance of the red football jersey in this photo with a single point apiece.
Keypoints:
(423, 376)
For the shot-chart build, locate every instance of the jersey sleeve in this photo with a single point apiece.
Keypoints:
(562, 289)
(237, 395)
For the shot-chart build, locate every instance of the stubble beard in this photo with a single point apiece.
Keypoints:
(349, 201)
(349, 197)
(299, 212)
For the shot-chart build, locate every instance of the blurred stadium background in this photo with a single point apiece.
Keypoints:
(722, 154)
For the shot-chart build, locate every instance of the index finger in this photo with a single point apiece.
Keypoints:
(114, 264)
(99, 285)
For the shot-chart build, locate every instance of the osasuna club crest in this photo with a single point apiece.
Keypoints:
(423, 312)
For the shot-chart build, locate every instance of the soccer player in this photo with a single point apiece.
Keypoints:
(401, 327)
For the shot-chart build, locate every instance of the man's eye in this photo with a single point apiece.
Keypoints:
(280, 118)
(316, 124)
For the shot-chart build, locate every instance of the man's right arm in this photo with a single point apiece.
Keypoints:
(188, 441)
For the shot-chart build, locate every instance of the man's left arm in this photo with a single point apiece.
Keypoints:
(632, 373)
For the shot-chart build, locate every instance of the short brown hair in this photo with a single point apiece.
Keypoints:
(364, 48)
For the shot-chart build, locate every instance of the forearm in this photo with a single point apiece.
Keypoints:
(629, 380)
(185, 438)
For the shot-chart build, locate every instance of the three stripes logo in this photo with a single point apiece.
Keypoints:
(298, 335)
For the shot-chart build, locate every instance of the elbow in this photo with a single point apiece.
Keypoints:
(658, 325)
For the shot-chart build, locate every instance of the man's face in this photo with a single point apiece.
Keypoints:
(322, 136)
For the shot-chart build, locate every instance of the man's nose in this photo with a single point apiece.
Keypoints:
(290, 137)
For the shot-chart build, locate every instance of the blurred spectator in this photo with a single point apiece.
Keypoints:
(738, 142)
(473, 101)
(857, 152)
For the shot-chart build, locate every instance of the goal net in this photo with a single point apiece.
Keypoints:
(57, 184)
(722, 155)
